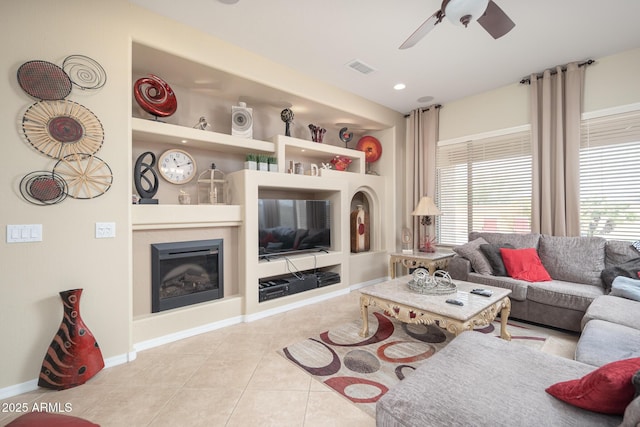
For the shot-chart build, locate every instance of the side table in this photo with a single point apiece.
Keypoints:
(429, 260)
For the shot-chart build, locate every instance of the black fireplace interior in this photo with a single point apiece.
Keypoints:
(185, 273)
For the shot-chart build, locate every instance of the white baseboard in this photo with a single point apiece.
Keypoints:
(166, 339)
(32, 385)
(110, 362)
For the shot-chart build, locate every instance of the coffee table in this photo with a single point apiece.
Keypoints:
(408, 306)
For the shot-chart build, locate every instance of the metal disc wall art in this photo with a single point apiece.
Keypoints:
(43, 188)
(60, 128)
(44, 80)
(86, 175)
(84, 72)
(155, 96)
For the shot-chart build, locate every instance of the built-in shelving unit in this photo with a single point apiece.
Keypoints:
(239, 221)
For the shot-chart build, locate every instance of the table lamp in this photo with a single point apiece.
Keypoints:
(426, 209)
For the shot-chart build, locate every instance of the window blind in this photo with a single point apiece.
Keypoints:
(610, 176)
(484, 185)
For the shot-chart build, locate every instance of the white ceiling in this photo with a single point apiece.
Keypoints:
(320, 37)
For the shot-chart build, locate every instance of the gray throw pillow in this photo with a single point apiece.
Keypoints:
(471, 251)
(626, 287)
(492, 254)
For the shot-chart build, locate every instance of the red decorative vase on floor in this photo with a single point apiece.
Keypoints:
(74, 355)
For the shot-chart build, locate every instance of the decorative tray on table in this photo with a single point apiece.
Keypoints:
(438, 284)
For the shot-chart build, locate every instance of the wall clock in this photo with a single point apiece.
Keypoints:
(177, 166)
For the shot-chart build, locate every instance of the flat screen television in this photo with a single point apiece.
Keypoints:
(291, 226)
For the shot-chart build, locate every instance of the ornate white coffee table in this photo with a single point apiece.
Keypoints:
(408, 306)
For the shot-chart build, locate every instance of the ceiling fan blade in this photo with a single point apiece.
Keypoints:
(495, 21)
(422, 30)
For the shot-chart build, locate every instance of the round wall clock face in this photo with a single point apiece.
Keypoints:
(177, 166)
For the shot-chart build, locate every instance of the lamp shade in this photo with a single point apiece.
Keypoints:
(426, 207)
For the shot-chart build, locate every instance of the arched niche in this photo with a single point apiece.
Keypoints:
(362, 221)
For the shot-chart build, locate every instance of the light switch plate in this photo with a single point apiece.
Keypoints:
(21, 233)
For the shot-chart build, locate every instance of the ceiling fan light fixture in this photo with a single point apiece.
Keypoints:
(462, 12)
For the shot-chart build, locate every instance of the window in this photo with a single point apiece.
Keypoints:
(610, 176)
(484, 185)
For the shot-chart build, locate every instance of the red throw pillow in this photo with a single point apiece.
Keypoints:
(524, 264)
(608, 389)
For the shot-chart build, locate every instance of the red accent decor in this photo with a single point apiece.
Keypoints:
(371, 147)
(74, 355)
(39, 419)
(524, 264)
(607, 390)
(155, 96)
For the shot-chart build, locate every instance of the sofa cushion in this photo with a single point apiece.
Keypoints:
(613, 309)
(529, 240)
(524, 264)
(471, 251)
(626, 287)
(602, 342)
(492, 254)
(518, 287)
(573, 259)
(558, 293)
(619, 252)
(632, 414)
(630, 268)
(471, 382)
(607, 390)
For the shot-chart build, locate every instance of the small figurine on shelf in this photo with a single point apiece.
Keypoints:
(341, 163)
(317, 133)
(286, 116)
(202, 124)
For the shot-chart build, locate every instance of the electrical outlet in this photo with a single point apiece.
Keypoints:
(105, 230)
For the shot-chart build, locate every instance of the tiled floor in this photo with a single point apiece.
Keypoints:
(228, 377)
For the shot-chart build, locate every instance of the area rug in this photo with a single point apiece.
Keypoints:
(363, 369)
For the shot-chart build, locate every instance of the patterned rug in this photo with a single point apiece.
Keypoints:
(363, 369)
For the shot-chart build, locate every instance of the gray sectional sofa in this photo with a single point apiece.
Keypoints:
(575, 264)
(478, 380)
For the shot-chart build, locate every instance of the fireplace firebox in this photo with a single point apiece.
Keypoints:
(185, 273)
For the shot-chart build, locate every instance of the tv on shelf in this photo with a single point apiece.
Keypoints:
(292, 226)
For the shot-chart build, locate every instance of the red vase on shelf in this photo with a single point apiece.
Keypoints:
(73, 357)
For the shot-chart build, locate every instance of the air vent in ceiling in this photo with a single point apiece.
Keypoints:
(360, 67)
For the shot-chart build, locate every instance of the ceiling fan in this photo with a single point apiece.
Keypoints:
(462, 12)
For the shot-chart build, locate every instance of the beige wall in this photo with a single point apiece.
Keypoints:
(610, 82)
(69, 255)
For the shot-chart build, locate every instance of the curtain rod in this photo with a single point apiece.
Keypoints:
(426, 109)
(527, 80)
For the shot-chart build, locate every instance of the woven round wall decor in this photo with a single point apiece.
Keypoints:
(60, 128)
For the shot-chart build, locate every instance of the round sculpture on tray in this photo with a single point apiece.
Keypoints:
(438, 284)
(155, 96)
(60, 128)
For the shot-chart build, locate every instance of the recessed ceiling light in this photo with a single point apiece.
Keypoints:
(184, 141)
(228, 1)
(425, 98)
(400, 86)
